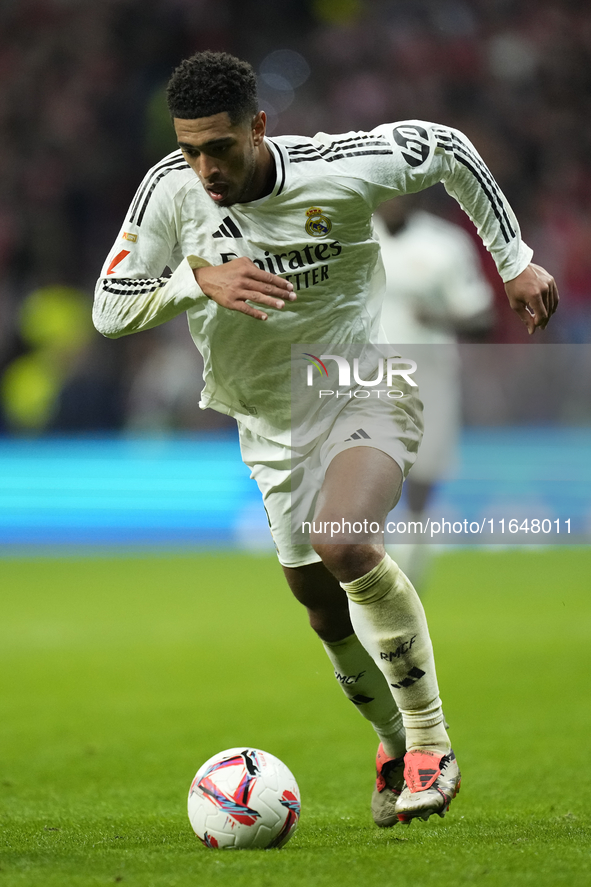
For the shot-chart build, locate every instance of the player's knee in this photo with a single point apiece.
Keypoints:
(346, 561)
(331, 625)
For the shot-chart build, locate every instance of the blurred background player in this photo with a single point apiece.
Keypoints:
(436, 293)
(514, 77)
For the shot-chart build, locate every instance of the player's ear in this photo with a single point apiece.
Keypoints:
(259, 125)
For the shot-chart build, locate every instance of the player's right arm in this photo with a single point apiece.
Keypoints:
(132, 293)
(236, 283)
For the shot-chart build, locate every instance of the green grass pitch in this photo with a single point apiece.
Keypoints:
(120, 676)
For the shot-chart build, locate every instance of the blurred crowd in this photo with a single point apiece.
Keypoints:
(83, 115)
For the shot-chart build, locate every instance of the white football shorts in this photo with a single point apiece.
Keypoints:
(290, 481)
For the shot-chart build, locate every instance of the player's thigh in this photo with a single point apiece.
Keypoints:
(361, 484)
(367, 455)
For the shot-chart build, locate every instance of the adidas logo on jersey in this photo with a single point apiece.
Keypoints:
(228, 228)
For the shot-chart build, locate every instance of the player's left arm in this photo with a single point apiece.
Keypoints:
(423, 154)
(133, 292)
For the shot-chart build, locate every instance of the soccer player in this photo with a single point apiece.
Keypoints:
(436, 291)
(280, 230)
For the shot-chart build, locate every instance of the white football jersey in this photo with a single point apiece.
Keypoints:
(314, 229)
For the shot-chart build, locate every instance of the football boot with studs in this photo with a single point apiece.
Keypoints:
(389, 783)
(431, 782)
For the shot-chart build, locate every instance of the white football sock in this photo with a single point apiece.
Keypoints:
(365, 685)
(390, 622)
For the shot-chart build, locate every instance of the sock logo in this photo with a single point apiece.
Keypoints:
(360, 699)
(348, 678)
(414, 675)
(400, 650)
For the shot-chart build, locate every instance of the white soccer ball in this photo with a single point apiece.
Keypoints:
(244, 797)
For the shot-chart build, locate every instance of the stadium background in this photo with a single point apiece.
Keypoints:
(82, 115)
(103, 448)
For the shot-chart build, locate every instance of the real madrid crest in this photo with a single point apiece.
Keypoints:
(318, 225)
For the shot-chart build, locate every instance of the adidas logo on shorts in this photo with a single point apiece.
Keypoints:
(357, 435)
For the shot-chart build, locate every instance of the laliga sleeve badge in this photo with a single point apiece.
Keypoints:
(318, 225)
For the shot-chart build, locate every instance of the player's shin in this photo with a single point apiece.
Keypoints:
(390, 622)
(365, 685)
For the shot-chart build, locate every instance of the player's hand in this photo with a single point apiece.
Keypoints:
(533, 295)
(231, 284)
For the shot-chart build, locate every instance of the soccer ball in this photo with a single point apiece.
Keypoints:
(244, 797)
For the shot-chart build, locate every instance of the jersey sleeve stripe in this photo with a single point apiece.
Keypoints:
(129, 286)
(475, 172)
(154, 171)
(463, 149)
(153, 179)
(358, 137)
(325, 151)
(452, 144)
(334, 157)
(345, 145)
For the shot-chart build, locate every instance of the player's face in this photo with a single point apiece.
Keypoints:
(229, 158)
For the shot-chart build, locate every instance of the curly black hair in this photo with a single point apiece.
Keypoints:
(210, 83)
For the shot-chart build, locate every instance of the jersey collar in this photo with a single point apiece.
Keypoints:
(280, 172)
